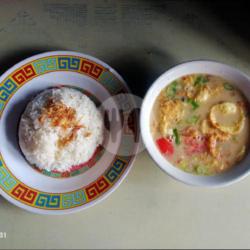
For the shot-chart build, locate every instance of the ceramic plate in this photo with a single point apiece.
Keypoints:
(58, 193)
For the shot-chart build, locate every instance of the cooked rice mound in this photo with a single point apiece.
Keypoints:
(60, 128)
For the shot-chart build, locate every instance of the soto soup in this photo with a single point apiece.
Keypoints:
(200, 124)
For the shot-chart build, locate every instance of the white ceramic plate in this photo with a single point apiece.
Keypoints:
(41, 192)
(231, 74)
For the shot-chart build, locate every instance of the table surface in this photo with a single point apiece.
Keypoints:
(141, 39)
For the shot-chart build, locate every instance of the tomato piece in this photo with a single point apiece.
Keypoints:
(165, 146)
(195, 145)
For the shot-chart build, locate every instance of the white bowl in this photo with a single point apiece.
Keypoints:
(206, 67)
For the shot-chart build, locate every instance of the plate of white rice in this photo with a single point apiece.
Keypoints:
(66, 141)
(60, 131)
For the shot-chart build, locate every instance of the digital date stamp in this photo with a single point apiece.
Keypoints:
(3, 235)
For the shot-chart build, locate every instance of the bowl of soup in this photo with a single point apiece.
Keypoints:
(195, 123)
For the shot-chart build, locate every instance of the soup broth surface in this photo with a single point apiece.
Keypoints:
(200, 123)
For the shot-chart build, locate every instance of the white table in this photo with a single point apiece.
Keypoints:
(141, 39)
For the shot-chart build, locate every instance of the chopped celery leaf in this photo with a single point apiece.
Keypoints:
(172, 89)
(194, 104)
(200, 80)
(176, 136)
(193, 119)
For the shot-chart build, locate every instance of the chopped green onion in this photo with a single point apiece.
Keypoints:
(203, 170)
(172, 89)
(184, 166)
(193, 119)
(194, 104)
(228, 86)
(200, 170)
(176, 136)
(200, 80)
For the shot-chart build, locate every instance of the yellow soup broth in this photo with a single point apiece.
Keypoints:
(200, 124)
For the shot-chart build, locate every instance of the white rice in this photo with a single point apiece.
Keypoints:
(38, 141)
